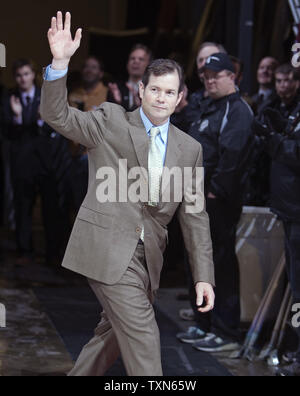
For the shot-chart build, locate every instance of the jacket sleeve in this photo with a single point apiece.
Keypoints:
(234, 143)
(194, 223)
(285, 149)
(86, 128)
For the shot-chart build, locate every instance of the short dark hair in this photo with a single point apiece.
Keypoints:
(161, 67)
(288, 69)
(19, 63)
(143, 47)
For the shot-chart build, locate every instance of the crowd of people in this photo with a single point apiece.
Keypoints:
(251, 149)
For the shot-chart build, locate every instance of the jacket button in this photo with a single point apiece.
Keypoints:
(138, 230)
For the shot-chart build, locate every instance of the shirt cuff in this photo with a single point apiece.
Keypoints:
(52, 75)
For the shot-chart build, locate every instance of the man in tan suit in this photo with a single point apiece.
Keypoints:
(118, 245)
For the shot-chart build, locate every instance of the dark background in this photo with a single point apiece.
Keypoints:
(249, 29)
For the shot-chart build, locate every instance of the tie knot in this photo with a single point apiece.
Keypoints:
(154, 132)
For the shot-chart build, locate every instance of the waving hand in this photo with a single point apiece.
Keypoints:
(62, 45)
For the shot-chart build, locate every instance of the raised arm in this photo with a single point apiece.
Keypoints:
(85, 128)
(62, 46)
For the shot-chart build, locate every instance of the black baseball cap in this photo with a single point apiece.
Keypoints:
(218, 62)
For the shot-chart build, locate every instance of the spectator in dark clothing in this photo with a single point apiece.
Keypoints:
(189, 111)
(37, 159)
(2, 179)
(186, 113)
(224, 130)
(7, 204)
(281, 139)
(284, 101)
(126, 94)
(265, 79)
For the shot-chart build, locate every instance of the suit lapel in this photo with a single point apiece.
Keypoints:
(139, 138)
(173, 155)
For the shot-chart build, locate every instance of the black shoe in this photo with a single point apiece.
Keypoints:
(193, 334)
(290, 371)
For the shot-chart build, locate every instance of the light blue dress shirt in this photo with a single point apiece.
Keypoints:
(162, 137)
(52, 75)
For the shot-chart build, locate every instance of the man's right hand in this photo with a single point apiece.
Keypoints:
(62, 46)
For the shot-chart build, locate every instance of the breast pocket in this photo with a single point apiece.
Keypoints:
(96, 218)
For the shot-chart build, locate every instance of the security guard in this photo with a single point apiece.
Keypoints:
(224, 130)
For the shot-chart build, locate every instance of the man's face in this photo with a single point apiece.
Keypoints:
(160, 97)
(286, 86)
(91, 72)
(265, 72)
(202, 57)
(137, 63)
(219, 84)
(25, 78)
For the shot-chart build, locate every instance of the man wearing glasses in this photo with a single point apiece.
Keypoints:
(224, 130)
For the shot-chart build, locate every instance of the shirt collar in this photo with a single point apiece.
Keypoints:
(265, 92)
(29, 94)
(164, 129)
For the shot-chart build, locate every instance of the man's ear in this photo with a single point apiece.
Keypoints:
(141, 90)
(180, 96)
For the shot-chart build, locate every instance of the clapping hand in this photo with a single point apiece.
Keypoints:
(16, 106)
(135, 94)
(114, 89)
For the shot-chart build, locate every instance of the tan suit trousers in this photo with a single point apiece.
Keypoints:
(128, 326)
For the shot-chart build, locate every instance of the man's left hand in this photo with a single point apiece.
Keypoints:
(205, 292)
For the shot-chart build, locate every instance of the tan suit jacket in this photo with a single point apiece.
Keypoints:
(105, 235)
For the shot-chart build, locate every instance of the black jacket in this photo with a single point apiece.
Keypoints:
(190, 113)
(258, 190)
(285, 172)
(35, 151)
(259, 104)
(26, 131)
(224, 130)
